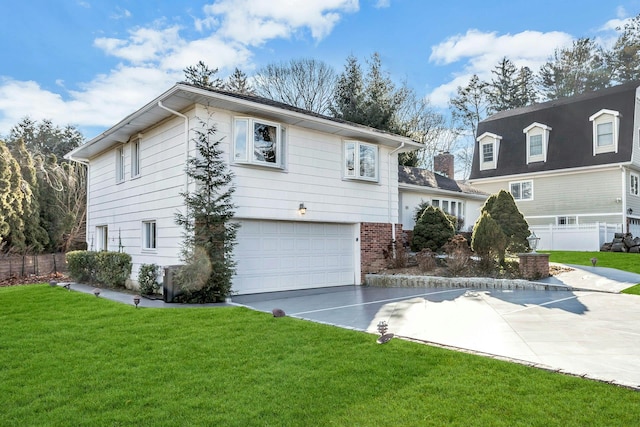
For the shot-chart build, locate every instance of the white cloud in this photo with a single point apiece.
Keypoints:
(479, 52)
(153, 57)
(252, 22)
(380, 4)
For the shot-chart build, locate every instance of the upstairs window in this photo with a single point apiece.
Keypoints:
(360, 160)
(120, 164)
(606, 127)
(489, 145)
(522, 190)
(135, 158)
(257, 142)
(633, 184)
(537, 140)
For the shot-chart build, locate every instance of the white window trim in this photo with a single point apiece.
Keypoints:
(520, 183)
(120, 162)
(356, 166)
(485, 139)
(460, 206)
(567, 217)
(634, 190)
(532, 130)
(248, 158)
(102, 237)
(146, 238)
(135, 158)
(601, 117)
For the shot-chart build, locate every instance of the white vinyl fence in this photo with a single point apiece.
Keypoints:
(580, 237)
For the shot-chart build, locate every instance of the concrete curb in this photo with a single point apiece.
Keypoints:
(407, 281)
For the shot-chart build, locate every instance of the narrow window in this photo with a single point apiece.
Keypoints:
(605, 134)
(240, 139)
(633, 184)
(535, 145)
(120, 164)
(135, 158)
(487, 153)
(102, 238)
(148, 235)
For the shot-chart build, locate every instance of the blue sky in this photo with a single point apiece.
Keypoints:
(90, 63)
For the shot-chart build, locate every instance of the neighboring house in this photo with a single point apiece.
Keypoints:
(566, 162)
(283, 159)
(439, 189)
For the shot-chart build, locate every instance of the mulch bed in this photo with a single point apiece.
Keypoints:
(32, 279)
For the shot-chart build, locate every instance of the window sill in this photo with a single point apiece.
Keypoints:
(264, 166)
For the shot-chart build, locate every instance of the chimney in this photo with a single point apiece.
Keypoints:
(443, 164)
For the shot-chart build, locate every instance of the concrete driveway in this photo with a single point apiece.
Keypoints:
(588, 332)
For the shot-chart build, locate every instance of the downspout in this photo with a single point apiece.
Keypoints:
(393, 224)
(625, 220)
(186, 141)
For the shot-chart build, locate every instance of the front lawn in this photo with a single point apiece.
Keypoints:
(619, 260)
(69, 358)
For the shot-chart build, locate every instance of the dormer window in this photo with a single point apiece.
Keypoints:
(489, 144)
(606, 126)
(537, 140)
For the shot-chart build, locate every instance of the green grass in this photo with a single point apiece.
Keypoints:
(620, 260)
(68, 358)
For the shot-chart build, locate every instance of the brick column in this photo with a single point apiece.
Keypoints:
(375, 245)
(534, 265)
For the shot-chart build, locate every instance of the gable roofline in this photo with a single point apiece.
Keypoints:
(536, 125)
(602, 112)
(490, 135)
(182, 95)
(420, 179)
(550, 174)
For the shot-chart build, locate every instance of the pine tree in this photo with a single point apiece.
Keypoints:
(203, 76)
(624, 58)
(209, 233)
(12, 194)
(5, 193)
(237, 82)
(471, 104)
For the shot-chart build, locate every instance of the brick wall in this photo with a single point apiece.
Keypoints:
(375, 244)
(534, 265)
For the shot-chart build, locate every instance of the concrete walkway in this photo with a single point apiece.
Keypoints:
(592, 332)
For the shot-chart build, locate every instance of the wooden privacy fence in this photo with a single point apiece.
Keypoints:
(27, 265)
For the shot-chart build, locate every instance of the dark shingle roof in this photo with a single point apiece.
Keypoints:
(426, 178)
(571, 137)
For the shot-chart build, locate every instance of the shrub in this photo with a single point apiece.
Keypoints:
(148, 278)
(432, 230)
(82, 266)
(426, 260)
(401, 258)
(514, 226)
(488, 241)
(114, 268)
(458, 255)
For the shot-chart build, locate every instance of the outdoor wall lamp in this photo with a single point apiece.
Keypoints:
(302, 209)
(630, 211)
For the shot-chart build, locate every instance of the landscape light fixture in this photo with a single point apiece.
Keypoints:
(96, 292)
(302, 209)
(630, 211)
(533, 241)
(136, 300)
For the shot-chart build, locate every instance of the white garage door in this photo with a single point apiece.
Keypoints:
(286, 255)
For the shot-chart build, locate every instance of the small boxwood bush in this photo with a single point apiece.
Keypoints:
(148, 279)
(106, 268)
(114, 268)
(82, 266)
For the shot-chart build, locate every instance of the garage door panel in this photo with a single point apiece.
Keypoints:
(280, 255)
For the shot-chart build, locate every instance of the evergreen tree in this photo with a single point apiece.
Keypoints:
(203, 76)
(527, 94)
(382, 100)
(574, 70)
(348, 96)
(488, 241)
(624, 58)
(505, 213)
(510, 88)
(471, 104)
(237, 82)
(432, 230)
(36, 237)
(209, 235)
(44, 138)
(11, 191)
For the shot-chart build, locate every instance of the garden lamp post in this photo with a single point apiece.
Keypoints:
(533, 241)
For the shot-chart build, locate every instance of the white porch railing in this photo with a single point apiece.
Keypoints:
(579, 237)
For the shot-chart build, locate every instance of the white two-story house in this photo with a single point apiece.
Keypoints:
(316, 198)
